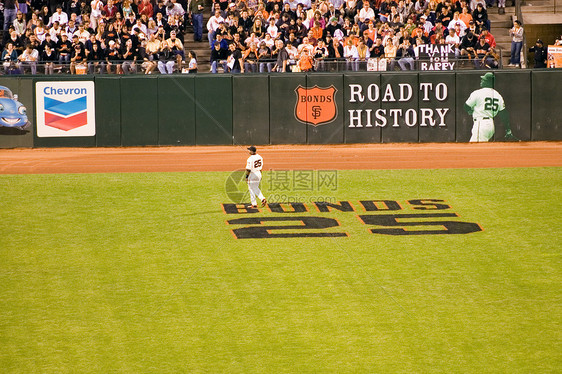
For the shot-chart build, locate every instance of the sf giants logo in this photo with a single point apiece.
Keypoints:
(316, 106)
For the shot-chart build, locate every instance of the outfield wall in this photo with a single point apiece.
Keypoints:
(108, 111)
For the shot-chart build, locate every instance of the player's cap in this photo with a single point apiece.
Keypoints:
(539, 41)
(488, 77)
(252, 148)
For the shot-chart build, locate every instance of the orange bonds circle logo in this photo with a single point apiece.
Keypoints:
(316, 106)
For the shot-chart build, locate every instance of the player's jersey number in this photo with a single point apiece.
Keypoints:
(491, 103)
(257, 163)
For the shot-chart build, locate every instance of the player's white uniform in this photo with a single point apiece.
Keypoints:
(254, 164)
(486, 103)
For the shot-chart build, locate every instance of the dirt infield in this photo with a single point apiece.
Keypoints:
(228, 158)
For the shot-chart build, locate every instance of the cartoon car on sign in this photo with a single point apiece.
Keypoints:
(12, 113)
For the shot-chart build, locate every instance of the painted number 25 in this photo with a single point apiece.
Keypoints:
(491, 104)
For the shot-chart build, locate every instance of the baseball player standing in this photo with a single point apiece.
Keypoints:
(484, 104)
(254, 165)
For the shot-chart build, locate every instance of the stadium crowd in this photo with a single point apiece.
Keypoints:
(112, 36)
(119, 36)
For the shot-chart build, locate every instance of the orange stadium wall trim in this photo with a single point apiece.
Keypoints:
(331, 108)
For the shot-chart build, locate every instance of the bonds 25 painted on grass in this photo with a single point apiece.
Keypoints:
(383, 222)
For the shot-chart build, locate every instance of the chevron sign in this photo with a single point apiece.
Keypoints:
(65, 109)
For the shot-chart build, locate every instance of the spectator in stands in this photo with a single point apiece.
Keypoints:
(40, 31)
(55, 31)
(10, 14)
(96, 57)
(455, 41)
(48, 42)
(96, 14)
(264, 58)
(112, 57)
(305, 60)
(192, 64)
(489, 38)
(9, 57)
(363, 52)
(366, 14)
(212, 25)
(218, 57)
(16, 41)
(465, 16)
(501, 6)
(493, 60)
(64, 48)
(540, 52)
(390, 51)
(282, 57)
(166, 59)
(147, 64)
(19, 24)
(82, 34)
(456, 21)
(129, 55)
(78, 57)
(48, 58)
(250, 57)
(516, 33)
(196, 8)
(335, 50)
(29, 57)
(468, 44)
(234, 60)
(480, 17)
(320, 53)
(160, 8)
(405, 55)
(110, 11)
(482, 50)
(59, 16)
(176, 49)
(378, 49)
(351, 55)
(350, 9)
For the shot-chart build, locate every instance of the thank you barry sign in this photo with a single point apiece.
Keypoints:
(65, 109)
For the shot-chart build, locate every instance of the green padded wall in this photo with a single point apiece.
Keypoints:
(284, 128)
(546, 104)
(139, 111)
(514, 86)
(250, 95)
(466, 82)
(176, 110)
(108, 111)
(213, 109)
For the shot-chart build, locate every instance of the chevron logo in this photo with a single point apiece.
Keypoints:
(66, 115)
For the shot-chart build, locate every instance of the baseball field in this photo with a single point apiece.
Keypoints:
(379, 259)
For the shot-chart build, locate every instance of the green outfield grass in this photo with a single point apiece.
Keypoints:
(141, 273)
